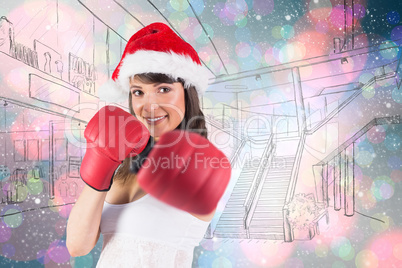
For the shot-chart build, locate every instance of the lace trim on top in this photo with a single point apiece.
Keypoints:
(126, 251)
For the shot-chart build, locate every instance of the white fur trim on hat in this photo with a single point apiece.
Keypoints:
(112, 92)
(149, 61)
(175, 65)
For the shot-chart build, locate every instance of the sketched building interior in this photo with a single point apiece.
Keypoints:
(49, 93)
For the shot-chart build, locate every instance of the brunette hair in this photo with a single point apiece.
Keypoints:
(193, 116)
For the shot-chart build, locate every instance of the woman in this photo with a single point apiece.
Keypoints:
(162, 76)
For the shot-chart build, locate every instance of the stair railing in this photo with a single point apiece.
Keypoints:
(382, 76)
(250, 212)
(237, 152)
(343, 173)
(291, 188)
(257, 178)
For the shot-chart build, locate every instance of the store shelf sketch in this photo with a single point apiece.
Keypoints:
(38, 161)
(41, 119)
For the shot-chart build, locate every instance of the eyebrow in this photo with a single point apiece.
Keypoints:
(155, 85)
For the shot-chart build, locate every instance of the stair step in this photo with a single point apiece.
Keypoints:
(266, 223)
(273, 191)
(276, 187)
(270, 202)
(267, 214)
(284, 157)
(235, 199)
(240, 235)
(226, 229)
(230, 224)
(237, 216)
(240, 190)
(280, 172)
(234, 206)
(238, 193)
(238, 196)
(241, 187)
(235, 202)
(276, 176)
(247, 175)
(266, 229)
(268, 208)
(244, 183)
(282, 163)
(286, 161)
(267, 236)
(272, 194)
(237, 209)
(262, 200)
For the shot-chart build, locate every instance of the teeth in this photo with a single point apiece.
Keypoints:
(155, 119)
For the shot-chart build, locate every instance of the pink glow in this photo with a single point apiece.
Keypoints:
(268, 254)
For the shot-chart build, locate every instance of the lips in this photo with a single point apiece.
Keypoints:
(155, 120)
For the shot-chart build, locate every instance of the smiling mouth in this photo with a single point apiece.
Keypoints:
(155, 120)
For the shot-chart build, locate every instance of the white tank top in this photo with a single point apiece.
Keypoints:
(148, 233)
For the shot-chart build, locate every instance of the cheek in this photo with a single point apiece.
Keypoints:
(181, 105)
(180, 110)
(136, 108)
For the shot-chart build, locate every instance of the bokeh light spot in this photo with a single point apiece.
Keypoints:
(366, 258)
(393, 17)
(13, 218)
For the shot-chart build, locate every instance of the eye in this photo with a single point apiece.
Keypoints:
(164, 89)
(137, 92)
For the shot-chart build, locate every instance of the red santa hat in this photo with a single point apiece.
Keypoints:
(155, 49)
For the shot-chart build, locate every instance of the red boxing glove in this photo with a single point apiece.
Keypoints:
(186, 171)
(112, 135)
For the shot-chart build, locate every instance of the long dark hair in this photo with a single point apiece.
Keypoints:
(193, 116)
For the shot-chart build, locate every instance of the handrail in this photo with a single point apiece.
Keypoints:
(291, 188)
(376, 121)
(241, 137)
(350, 99)
(258, 174)
(222, 129)
(237, 152)
(348, 148)
(292, 184)
(248, 215)
(295, 169)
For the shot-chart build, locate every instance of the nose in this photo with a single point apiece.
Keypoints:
(150, 105)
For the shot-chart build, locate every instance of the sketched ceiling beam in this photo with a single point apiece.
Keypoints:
(134, 17)
(40, 109)
(93, 14)
(152, 4)
(205, 31)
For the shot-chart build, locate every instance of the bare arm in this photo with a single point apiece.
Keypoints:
(84, 221)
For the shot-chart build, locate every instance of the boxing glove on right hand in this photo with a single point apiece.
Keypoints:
(186, 171)
(112, 135)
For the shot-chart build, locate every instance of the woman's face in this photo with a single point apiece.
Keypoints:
(159, 106)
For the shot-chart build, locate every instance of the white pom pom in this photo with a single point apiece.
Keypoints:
(112, 92)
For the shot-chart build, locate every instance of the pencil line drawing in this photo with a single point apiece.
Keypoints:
(293, 122)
